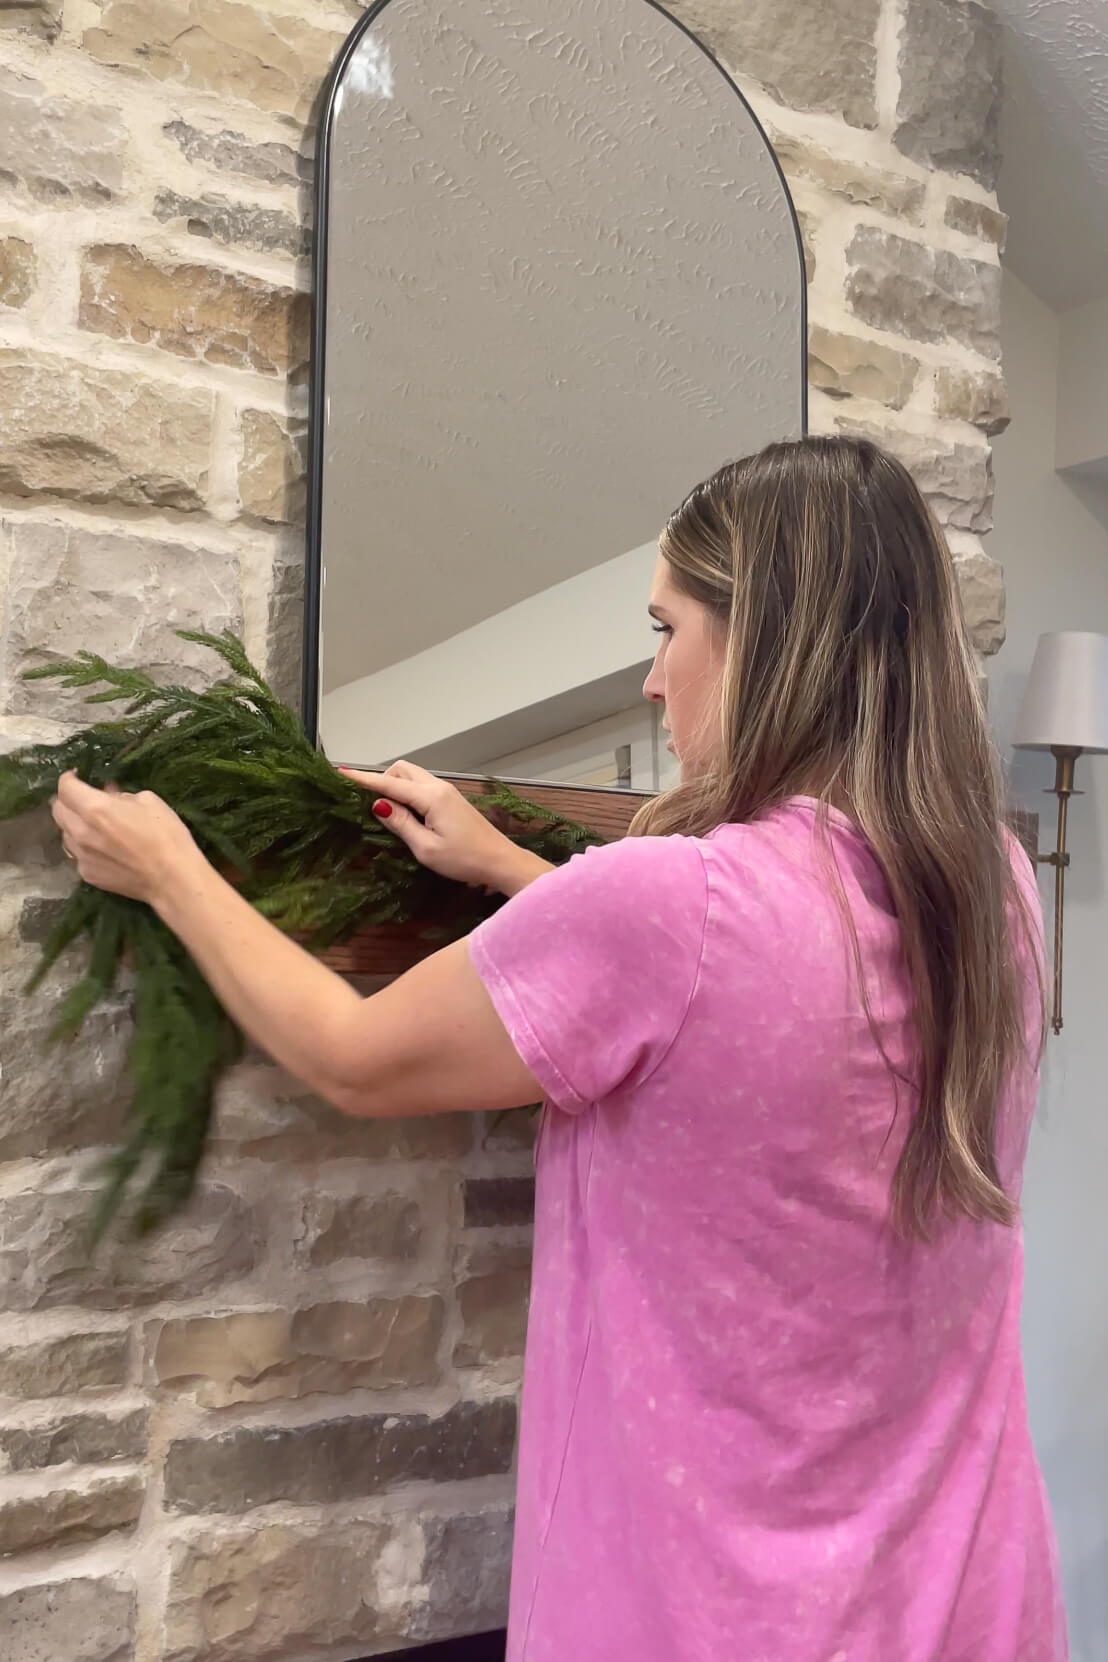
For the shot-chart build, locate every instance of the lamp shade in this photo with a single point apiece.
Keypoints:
(1065, 701)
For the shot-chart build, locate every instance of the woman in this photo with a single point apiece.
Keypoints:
(788, 1035)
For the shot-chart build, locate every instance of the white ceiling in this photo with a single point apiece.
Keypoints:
(1054, 143)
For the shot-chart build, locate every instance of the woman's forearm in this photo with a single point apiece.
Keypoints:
(284, 999)
(519, 869)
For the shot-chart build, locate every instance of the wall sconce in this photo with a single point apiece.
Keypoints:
(1065, 711)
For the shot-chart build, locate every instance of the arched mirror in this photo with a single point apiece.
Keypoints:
(559, 280)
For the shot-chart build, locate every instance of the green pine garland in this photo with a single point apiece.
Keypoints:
(300, 841)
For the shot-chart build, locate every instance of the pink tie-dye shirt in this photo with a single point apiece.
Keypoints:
(757, 1425)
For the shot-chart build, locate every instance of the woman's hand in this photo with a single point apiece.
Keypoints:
(125, 843)
(445, 832)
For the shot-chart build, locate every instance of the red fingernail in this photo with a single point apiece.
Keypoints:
(383, 810)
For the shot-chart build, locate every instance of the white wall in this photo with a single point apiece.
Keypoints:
(1081, 439)
(1052, 537)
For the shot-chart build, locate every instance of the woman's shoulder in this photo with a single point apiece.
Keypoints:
(637, 868)
(780, 838)
(799, 831)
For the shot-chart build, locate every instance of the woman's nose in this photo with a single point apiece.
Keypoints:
(653, 688)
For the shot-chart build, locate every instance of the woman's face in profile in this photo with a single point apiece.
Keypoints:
(687, 671)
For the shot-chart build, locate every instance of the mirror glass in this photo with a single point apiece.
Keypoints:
(559, 281)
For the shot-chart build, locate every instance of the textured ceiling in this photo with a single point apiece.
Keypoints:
(1054, 143)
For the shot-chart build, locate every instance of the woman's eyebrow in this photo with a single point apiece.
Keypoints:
(658, 612)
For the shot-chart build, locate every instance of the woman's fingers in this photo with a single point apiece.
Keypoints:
(121, 842)
(403, 803)
(365, 777)
(414, 789)
(408, 827)
(442, 827)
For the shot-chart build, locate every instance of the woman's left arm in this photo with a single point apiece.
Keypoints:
(428, 1043)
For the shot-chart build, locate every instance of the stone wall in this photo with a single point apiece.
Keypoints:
(285, 1430)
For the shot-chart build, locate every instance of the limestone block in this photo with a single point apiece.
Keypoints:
(269, 60)
(36, 17)
(83, 1439)
(284, 642)
(232, 152)
(95, 435)
(81, 1510)
(32, 839)
(336, 1460)
(17, 272)
(494, 1315)
(927, 294)
(241, 224)
(981, 585)
(194, 311)
(123, 596)
(73, 1097)
(869, 187)
(272, 468)
(976, 395)
(466, 1569)
(498, 1200)
(277, 1592)
(811, 55)
(845, 366)
(86, 1619)
(334, 1227)
(38, 916)
(956, 478)
(44, 1262)
(58, 149)
(219, 1356)
(950, 84)
(63, 1366)
(261, 1356)
(977, 219)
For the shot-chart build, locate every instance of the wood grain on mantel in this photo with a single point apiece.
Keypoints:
(389, 949)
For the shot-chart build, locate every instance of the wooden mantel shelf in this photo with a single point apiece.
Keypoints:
(391, 948)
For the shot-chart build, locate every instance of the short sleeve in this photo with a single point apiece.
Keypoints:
(592, 967)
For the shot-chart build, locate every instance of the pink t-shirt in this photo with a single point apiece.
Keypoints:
(757, 1425)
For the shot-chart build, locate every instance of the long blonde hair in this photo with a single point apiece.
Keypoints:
(848, 676)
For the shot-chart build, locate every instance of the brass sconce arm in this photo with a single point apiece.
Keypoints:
(1065, 756)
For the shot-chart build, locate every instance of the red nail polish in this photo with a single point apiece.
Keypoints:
(383, 810)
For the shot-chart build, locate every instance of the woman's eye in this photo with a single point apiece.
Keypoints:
(662, 628)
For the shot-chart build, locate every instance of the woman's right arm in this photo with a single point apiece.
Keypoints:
(445, 832)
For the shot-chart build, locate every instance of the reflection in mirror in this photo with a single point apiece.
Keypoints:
(559, 281)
